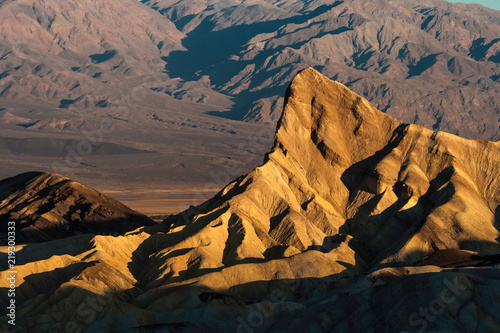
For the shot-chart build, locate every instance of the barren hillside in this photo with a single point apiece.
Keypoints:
(172, 80)
(353, 222)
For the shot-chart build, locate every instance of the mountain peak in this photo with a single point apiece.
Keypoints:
(327, 114)
(340, 166)
(347, 200)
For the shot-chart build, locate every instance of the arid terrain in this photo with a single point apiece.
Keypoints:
(161, 95)
(250, 166)
(354, 222)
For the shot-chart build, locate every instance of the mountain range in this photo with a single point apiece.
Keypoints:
(428, 62)
(175, 79)
(353, 222)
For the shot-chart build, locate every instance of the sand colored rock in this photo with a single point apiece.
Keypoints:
(353, 222)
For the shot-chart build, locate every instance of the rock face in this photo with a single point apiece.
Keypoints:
(355, 222)
(47, 206)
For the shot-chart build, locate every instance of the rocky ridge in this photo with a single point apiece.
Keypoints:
(47, 206)
(350, 207)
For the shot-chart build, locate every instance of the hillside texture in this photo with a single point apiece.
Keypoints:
(355, 222)
(48, 206)
(169, 76)
(430, 63)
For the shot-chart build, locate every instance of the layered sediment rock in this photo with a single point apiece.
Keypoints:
(354, 222)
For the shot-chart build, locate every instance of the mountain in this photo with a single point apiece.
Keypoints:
(47, 206)
(430, 63)
(85, 53)
(354, 222)
(174, 79)
(338, 165)
(76, 73)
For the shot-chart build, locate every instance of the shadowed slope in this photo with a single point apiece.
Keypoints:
(339, 165)
(47, 206)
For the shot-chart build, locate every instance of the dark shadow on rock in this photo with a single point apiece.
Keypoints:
(497, 220)
(184, 327)
(46, 282)
(206, 47)
(428, 202)
(12, 184)
(479, 49)
(66, 103)
(457, 258)
(102, 57)
(329, 243)
(410, 221)
(481, 247)
(422, 65)
(356, 173)
(32, 252)
(243, 102)
(36, 229)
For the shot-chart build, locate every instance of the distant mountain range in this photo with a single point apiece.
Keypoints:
(426, 62)
(79, 53)
(166, 67)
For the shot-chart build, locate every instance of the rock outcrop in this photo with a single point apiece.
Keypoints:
(354, 223)
(46, 206)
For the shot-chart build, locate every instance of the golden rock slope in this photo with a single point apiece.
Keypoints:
(354, 222)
